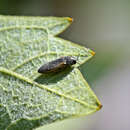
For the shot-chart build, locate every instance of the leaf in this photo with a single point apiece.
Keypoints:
(27, 98)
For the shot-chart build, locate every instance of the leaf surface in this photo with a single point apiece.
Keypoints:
(27, 98)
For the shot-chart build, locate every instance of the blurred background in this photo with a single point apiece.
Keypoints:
(104, 26)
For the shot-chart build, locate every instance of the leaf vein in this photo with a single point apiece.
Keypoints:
(40, 55)
(18, 76)
(19, 27)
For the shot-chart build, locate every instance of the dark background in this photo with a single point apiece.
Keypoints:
(104, 26)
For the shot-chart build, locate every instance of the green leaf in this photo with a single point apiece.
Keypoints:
(27, 98)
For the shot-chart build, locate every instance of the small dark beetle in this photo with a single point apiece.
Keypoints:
(57, 65)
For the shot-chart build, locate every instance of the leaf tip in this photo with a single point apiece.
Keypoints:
(92, 52)
(100, 106)
(70, 19)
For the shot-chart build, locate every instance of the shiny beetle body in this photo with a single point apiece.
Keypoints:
(57, 65)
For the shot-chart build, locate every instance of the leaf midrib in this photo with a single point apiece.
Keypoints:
(20, 77)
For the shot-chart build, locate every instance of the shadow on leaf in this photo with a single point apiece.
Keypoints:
(53, 78)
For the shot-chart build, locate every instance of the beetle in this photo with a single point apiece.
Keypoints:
(57, 65)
